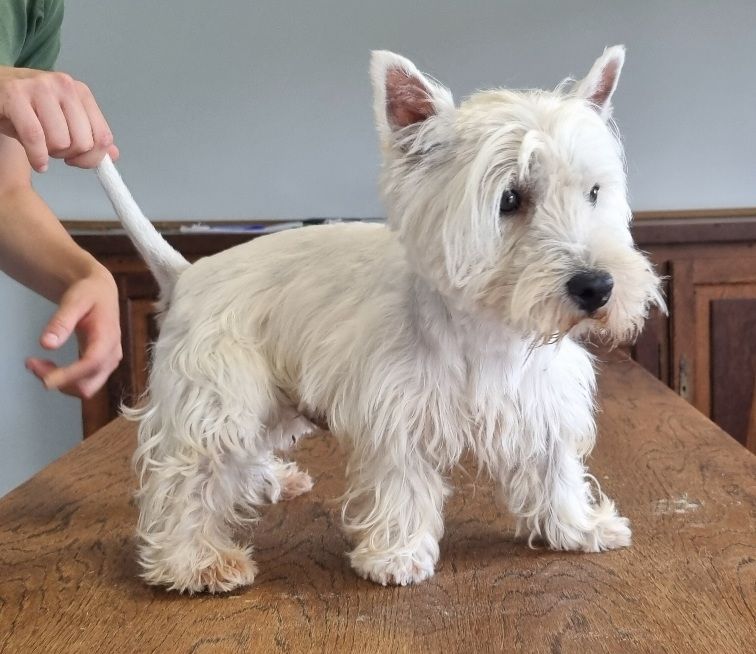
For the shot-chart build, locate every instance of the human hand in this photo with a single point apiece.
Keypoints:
(90, 308)
(53, 115)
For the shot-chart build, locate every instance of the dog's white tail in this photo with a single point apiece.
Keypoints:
(165, 263)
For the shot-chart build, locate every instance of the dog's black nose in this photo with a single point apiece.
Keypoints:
(590, 289)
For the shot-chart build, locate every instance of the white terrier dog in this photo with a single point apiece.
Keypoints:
(452, 328)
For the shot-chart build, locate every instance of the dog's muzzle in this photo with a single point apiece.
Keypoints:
(590, 289)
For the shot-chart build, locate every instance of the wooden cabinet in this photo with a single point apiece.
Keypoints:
(705, 349)
(137, 292)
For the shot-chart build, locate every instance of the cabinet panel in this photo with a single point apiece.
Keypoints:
(733, 366)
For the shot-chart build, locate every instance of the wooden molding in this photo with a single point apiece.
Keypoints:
(650, 228)
(696, 214)
(106, 224)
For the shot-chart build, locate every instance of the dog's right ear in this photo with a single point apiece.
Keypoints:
(403, 96)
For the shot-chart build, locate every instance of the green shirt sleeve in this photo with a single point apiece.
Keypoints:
(30, 33)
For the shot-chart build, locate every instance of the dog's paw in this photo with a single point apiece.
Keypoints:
(212, 572)
(294, 483)
(609, 531)
(396, 566)
(231, 570)
(284, 481)
(396, 570)
(612, 531)
(601, 528)
(290, 482)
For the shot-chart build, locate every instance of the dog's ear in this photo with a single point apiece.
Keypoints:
(598, 86)
(403, 96)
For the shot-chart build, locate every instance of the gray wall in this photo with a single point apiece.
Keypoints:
(35, 426)
(242, 108)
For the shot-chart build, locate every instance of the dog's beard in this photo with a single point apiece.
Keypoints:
(551, 315)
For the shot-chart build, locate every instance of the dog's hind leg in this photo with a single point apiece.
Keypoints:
(188, 504)
(202, 445)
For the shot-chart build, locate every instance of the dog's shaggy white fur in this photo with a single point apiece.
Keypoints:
(453, 328)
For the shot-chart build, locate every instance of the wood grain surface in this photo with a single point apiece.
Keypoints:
(688, 584)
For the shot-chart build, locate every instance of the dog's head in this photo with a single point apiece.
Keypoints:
(514, 204)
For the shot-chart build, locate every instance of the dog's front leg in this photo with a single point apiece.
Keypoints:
(553, 498)
(394, 511)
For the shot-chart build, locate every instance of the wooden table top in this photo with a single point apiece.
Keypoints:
(688, 584)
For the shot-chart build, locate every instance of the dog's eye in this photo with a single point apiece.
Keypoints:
(593, 195)
(510, 201)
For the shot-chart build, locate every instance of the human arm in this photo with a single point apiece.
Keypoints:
(37, 251)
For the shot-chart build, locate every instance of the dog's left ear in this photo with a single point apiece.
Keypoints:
(598, 86)
(403, 96)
